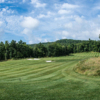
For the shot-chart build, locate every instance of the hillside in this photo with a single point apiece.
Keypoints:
(62, 42)
(69, 41)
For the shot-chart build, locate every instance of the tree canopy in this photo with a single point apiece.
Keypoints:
(22, 50)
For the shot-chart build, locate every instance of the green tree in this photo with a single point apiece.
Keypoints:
(6, 48)
(40, 50)
(2, 51)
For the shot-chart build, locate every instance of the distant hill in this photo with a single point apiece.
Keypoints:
(69, 41)
(62, 42)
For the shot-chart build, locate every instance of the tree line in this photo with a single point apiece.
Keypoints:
(22, 50)
(87, 46)
(14, 50)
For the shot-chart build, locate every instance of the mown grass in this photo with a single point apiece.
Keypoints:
(38, 80)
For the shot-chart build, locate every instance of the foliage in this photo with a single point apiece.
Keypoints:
(59, 48)
(14, 50)
(40, 50)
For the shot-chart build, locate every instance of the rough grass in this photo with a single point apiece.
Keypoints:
(39, 80)
(90, 67)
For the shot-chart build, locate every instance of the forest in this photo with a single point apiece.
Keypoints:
(62, 47)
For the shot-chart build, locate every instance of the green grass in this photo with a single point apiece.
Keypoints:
(38, 80)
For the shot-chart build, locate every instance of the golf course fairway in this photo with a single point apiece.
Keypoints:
(40, 80)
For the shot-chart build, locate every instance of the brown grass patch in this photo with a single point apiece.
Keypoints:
(90, 67)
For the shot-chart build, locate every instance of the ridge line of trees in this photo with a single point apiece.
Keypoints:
(22, 50)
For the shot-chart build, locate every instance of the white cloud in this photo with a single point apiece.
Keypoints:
(1, 23)
(96, 8)
(63, 33)
(64, 12)
(32, 12)
(79, 19)
(26, 31)
(1, 33)
(24, 1)
(37, 4)
(77, 27)
(2, 1)
(97, 32)
(34, 1)
(6, 11)
(11, 24)
(66, 6)
(29, 23)
(31, 42)
(11, 1)
(64, 21)
(69, 6)
(31, 37)
(68, 25)
(59, 18)
(42, 16)
(28, 35)
(45, 40)
(49, 14)
(40, 5)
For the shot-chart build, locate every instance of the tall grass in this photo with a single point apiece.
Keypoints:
(90, 67)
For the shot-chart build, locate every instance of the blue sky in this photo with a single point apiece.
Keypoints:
(35, 21)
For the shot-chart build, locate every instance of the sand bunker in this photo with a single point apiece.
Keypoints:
(30, 59)
(49, 61)
(36, 59)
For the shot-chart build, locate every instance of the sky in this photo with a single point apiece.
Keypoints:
(35, 21)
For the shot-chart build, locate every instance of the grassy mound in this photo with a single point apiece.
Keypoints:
(90, 67)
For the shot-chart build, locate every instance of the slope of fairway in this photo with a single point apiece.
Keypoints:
(38, 80)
